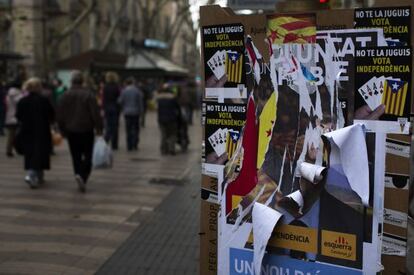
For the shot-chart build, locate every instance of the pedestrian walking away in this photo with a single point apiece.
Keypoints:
(13, 96)
(35, 115)
(132, 106)
(79, 126)
(111, 92)
(168, 115)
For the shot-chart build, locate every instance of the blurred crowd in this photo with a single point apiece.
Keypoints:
(36, 115)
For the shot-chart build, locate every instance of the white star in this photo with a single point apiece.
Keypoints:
(233, 58)
(395, 86)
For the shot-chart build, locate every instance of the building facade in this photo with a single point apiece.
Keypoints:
(46, 31)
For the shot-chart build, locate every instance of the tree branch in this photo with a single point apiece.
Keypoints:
(114, 24)
(69, 29)
(155, 11)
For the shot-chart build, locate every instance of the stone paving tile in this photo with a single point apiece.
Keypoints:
(57, 230)
(167, 242)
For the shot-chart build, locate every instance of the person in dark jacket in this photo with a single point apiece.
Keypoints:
(78, 117)
(35, 114)
(131, 102)
(111, 92)
(168, 115)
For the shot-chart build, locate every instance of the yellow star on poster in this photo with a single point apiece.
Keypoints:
(266, 121)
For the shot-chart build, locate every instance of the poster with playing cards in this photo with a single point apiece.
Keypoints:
(224, 60)
(223, 125)
(383, 89)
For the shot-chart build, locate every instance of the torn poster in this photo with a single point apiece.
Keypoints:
(349, 149)
(264, 220)
(282, 163)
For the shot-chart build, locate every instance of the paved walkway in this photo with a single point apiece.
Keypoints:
(166, 243)
(57, 230)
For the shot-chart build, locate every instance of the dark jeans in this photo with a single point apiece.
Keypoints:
(168, 137)
(143, 115)
(81, 148)
(2, 119)
(111, 128)
(132, 132)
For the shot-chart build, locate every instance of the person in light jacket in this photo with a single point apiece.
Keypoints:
(13, 96)
(132, 105)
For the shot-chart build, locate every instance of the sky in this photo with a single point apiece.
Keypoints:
(195, 13)
(195, 8)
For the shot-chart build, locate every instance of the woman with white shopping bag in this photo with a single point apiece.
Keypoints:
(79, 119)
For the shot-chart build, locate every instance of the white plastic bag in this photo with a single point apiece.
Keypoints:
(102, 155)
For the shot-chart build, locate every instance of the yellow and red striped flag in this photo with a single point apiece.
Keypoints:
(234, 67)
(394, 97)
(291, 29)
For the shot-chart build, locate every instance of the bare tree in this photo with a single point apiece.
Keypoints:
(57, 38)
(182, 16)
(114, 24)
(150, 12)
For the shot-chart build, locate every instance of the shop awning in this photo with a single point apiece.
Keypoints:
(146, 60)
(93, 58)
(11, 56)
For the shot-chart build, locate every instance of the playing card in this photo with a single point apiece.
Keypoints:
(218, 142)
(213, 142)
(371, 92)
(224, 132)
(364, 93)
(217, 64)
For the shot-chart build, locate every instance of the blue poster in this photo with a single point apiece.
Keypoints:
(241, 262)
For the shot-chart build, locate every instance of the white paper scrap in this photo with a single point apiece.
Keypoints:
(393, 246)
(298, 198)
(350, 147)
(311, 172)
(395, 218)
(264, 220)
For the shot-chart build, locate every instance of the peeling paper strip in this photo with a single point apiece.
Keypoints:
(264, 221)
(350, 147)
(243, 212)
(298, 198)
(311, 172)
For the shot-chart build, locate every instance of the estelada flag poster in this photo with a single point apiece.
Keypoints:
(383, 88)
(223, 47)
(223, 125)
